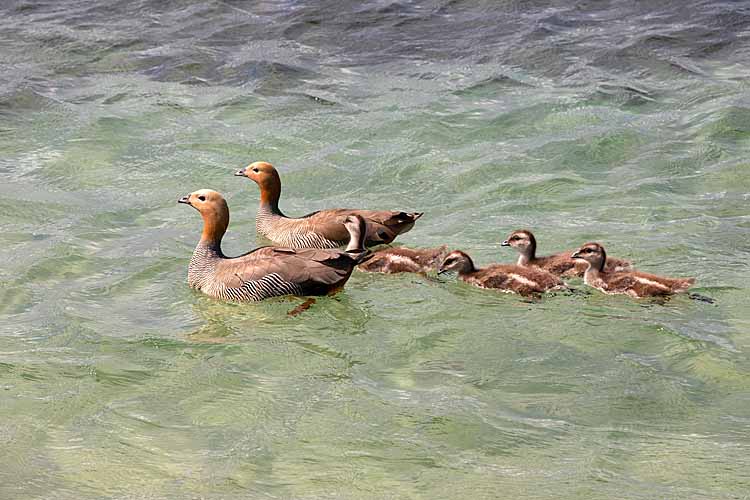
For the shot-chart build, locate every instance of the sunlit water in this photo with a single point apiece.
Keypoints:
(623, 122)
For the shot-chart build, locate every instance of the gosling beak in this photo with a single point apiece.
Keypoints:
(505, 243)
(240, 173)
(185, 200)
(576, 255)
(442, 271)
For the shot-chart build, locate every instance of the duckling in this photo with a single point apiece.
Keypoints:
(506, 277)
(266, 271)
(560, 264)
(322, 229)
(633, 283)
(404, 260)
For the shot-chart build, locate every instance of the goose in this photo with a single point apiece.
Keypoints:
(633, 283)
(266, 271)
(321, 229)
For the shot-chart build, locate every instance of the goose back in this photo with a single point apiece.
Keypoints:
(513, 278)
(633, 283)
(271, 271)
(325, 228)
(404, 260)
(638, 284)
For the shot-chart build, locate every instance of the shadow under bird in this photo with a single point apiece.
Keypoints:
(266, 271)
(509, 278)
(560, 264)
(633, 283)
(404, 260)
(321, 229)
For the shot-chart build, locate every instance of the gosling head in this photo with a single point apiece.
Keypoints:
(457, 262)
(593, 253)
(520, 239)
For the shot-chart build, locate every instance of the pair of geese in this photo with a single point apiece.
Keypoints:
(308, 261)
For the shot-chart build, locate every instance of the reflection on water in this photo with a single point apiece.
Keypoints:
(614, 121)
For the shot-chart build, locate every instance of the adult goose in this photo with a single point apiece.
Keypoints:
(266, 271)
(322, 229)
(560, 264)
(505, 277)
(633, 283)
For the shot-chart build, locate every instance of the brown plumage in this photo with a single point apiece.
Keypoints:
(633, 283)
(523, 280)
(560, 264)
(322, 229)
(266, 271)
(404, 260)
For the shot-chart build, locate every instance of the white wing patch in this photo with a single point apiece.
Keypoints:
(399, 259)
(647, 281)
(524, 280)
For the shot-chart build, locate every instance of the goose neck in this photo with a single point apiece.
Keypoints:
(592, 274)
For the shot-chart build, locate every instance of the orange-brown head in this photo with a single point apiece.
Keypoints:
(593, 253)
(456, 261)
(214, 210)
(266, 177)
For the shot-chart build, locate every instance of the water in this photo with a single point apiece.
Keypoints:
(624, 122)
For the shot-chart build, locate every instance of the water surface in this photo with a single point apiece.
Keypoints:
(623, 122)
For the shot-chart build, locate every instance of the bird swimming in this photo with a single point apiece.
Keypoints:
(560, 264)
(266, 271)
(633, 283)
(321, 229)
(505, 277)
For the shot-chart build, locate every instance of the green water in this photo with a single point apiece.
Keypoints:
(118, 381)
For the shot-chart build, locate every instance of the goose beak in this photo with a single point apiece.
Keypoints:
(240, 173)
(185, 200)
(505, 243)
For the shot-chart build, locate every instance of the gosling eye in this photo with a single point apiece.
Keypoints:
(255, 169)
(515, 238)
(202, 198)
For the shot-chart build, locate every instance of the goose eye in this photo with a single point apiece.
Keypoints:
(202, 198)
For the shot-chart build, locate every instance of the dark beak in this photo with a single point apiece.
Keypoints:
(185, 200)
(505, 243)
(576, 255)
(240, 173)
